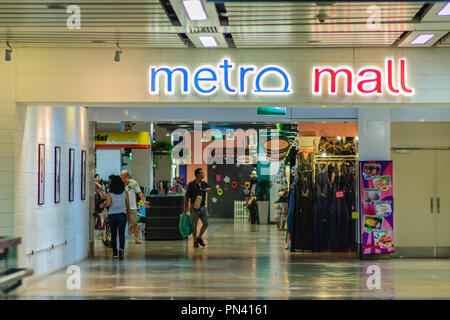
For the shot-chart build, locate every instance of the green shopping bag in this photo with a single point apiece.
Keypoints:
(185, 225)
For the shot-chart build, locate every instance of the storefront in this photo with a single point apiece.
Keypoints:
(66, 90)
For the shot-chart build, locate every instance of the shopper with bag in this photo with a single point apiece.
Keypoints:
(133, 189)
(196, 193)
(119, 211)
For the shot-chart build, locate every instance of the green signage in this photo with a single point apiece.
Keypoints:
(271, 111)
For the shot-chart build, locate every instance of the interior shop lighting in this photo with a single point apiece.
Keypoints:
(208, 41)
(339, 138)
(357, 138)
(195, 10)
(8, 52)
(445, 11)
(402, 151)
(324, 155)
(422, 39)
(118, 53)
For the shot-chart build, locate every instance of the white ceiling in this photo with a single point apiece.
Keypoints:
(164, 24)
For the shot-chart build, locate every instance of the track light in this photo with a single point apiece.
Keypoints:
(118, 53)
(8, 52)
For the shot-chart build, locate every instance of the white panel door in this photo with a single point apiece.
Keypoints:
(443, 203)
(415, 204)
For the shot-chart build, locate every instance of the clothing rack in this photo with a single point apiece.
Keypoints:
(334, 158)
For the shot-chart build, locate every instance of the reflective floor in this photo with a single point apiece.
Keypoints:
(242, 261)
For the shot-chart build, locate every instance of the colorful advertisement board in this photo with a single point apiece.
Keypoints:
(377, 207)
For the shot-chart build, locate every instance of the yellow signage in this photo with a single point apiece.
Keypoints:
(119, 139)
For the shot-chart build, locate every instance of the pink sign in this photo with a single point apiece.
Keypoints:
(377, 207)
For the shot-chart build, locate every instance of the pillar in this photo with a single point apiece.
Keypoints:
(374, 131)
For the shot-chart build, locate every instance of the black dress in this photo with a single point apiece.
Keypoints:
(321, 209)
(339, 213)
(350, 190)
(304, 217)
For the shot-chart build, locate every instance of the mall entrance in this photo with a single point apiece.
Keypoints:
(296, 180)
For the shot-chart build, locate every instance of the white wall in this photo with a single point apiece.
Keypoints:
(164, 170)
(141, 163)
(142, 166)
(93, 78)
(374, 131)
(108, 162)
(7, 147)
(40, 226)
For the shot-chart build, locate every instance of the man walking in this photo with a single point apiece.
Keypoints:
(196, 192)
(133, 188)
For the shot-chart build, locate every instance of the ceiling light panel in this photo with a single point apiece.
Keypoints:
(445, 11)
(422, 39)
(195, 10)
(208, 41)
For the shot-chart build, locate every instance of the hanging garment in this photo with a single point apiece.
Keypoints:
(304, 217)
(306, 164)
(350, 190)
(339, 214)
(291, 158)
(321, 209)
(290, 217)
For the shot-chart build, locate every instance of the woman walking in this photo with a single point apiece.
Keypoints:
(119, 212)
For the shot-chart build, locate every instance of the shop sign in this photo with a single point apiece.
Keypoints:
(377, 207)
(117, 139)
(367, 80)
(207, 79)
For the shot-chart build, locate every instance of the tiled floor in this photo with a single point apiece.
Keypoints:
(243, 261)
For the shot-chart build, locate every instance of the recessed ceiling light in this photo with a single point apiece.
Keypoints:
(208, 41)
(422, 39)
(445, 11)
(195, 10)
(56, 6)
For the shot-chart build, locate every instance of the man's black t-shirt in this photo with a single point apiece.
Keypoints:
(193, 190)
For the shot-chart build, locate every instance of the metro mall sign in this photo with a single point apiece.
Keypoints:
(207, 80)
(367, 81)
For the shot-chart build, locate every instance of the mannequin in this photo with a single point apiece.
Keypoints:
(254, 209)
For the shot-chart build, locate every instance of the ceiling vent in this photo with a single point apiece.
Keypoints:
(203, 30)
